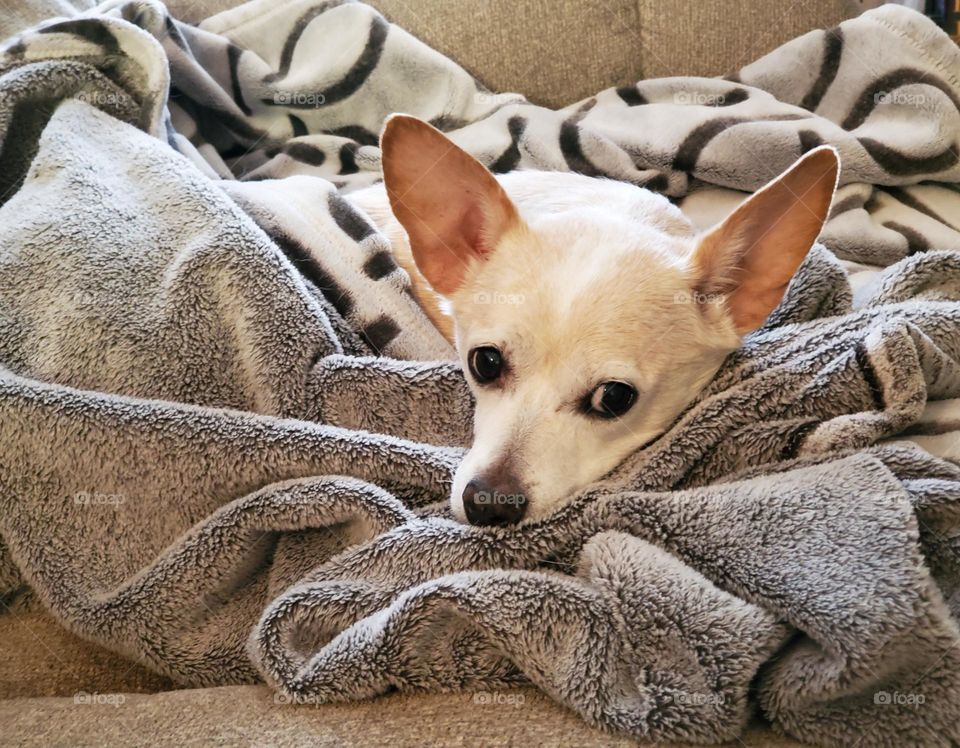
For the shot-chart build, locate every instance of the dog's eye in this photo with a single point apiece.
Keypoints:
(486, 363)
(612, 399)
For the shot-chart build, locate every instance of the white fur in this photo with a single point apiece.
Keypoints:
(593, 288)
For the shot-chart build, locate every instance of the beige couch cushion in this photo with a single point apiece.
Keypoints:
(250, 715)
(557, 52)
(721, 36)
(554, 52)
(42, 661)
(39, 658)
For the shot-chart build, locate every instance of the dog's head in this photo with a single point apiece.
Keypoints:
(587, 324)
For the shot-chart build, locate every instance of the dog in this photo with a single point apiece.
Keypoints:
(587, 313)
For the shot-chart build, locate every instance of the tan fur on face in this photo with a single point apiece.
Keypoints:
(587, 281)
(584, 296)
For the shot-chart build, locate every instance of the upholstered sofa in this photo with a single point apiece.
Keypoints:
(555, 52)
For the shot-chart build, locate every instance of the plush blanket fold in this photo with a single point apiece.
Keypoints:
(227, 431)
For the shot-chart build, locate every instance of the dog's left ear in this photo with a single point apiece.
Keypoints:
(453, 209)
(750, 257)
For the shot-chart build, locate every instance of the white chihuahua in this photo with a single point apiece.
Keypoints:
(587, 312)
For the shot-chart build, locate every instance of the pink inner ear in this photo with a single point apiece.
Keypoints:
(473, 228)
(452, 208)
(754, 252)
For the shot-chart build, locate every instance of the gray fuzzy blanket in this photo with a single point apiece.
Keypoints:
(215, 460)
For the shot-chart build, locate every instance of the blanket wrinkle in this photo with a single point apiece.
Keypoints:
(227, 431)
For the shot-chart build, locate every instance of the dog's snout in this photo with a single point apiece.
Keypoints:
(493, 502)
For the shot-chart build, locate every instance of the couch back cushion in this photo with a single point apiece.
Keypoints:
(557, 53)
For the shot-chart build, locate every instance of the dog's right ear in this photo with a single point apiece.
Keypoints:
(750, 257)
(452, 208)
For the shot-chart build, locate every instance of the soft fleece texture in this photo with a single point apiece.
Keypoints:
(188, 362)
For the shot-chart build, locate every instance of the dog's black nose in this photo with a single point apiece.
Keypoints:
(493, 503)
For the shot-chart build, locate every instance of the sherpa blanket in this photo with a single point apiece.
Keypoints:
(214, 461)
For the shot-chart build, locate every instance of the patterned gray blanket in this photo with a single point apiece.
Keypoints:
(227, 433)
